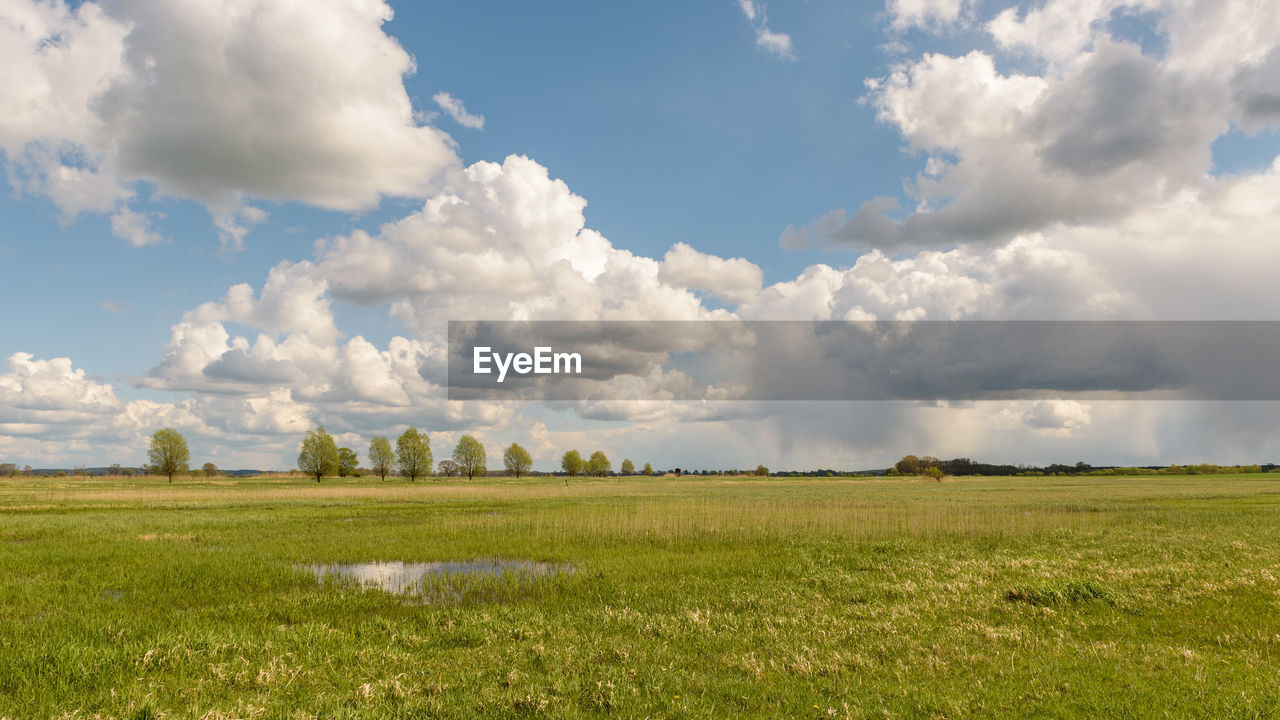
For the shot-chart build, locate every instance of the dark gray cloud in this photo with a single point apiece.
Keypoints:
(238, 366)
(1255, 89)
(884, 360)
(1124, 108)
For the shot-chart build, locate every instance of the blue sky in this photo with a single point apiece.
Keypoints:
(676, 126)
(673, 131)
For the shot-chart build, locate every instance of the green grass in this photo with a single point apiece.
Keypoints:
(694, 597)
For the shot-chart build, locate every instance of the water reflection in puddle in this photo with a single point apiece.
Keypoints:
(440, 581)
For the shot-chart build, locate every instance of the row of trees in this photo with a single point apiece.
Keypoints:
(320, 456)
(412, 458)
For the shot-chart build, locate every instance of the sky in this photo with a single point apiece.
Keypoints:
(245, 219)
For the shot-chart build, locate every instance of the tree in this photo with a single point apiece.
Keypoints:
(762, 470)
(598, 464)
(209, 469)
(319, 454)
(381, 457)
(448, 468)
(908, 465)
(517, 460)
(413, 454)
(168, 453)
(648, 469)
(571, 463)
(628, 467)
(347, 462)
(469, 455)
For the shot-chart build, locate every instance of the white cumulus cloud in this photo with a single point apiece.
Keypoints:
(734, 280)
(220, 103)
(37, 390)
(1093, 131)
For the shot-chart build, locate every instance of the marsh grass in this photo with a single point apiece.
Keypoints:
(1061, 593)
(690, 597)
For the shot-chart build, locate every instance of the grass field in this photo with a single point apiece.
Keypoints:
(702, 598)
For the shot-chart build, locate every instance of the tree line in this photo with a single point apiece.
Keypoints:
(932, 466)
(411, 457)
(319, 456)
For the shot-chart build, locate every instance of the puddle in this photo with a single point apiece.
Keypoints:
(441, 581)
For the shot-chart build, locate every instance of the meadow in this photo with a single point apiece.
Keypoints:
(683, 598)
